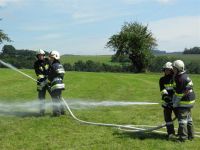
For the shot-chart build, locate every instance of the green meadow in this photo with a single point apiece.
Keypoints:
(96, 58)
(185, 57)
(25, 130)
(107, 58)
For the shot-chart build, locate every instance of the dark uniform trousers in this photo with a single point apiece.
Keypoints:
(41, 96)
(168, 119)
(185, 130)
(58, 107)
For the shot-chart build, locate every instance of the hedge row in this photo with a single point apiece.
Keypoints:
(192, 66)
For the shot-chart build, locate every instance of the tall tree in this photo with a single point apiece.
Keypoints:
(3, 36)
(136, 41)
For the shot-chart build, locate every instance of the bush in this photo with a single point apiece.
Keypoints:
(193, 67)
(68, 67)
(159, 61)
(79, 66)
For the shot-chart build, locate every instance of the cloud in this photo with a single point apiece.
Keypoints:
(165, 1)
(3, 3)
(133, 1)
(177, 33)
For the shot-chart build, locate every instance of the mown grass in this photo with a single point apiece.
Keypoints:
(186, 57)
(28, 131)
(107, 58)
(96, 58)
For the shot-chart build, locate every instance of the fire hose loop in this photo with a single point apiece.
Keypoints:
(134, 129)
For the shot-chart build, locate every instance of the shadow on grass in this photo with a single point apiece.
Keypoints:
(140, 135)
(19, 114)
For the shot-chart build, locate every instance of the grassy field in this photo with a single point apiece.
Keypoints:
(107, 58)
(25, 130)
(96, 58)
(186, 58)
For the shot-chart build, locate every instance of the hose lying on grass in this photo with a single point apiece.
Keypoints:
(132, 127)
(126, 128)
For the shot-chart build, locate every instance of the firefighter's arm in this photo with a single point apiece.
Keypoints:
(40, 76)
(60, 70)
(189, 86)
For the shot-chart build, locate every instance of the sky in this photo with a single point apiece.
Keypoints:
(83, 27)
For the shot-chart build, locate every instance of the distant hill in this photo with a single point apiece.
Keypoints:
(158, 52)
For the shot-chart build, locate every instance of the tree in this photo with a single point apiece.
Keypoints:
(8, 50)
(194, 50)
(135, 41)
(3, 36)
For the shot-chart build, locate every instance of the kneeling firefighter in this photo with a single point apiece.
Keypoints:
(183, 100)
(56, 75)
(167, 92)
(41, 67)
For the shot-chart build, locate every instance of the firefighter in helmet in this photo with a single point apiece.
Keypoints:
(56, 75)
(167, 92)
(41, 67)
(183, 101)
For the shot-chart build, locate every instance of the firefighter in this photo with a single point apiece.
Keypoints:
(41, 67)
(56, 75)
(167, 92)
(183, 101)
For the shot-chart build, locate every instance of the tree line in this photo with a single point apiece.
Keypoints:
(26, 58)
(194, 50)
(19, 58)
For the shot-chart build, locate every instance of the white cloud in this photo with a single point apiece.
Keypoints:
(165, 1)
(133, 1)
(177, 33)
(5, 2)
(147, 1)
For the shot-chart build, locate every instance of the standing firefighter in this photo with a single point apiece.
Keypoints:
(183, 101)
(56, 75)
(167, 92)
(41, 67)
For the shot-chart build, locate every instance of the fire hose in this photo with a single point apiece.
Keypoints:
(127, 128)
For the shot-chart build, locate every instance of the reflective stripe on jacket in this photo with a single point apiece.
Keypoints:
(184, 91)
(166, 89)
(56, 75)
(41, 68)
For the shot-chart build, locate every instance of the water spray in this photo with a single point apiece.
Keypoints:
(132, 127)
(14, 68)
(127, 128)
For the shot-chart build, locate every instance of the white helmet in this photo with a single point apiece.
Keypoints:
(179, 64)
(167, 65)
(55, 55)
(40, 52)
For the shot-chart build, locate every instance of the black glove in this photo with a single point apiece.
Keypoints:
(167, 99)
(170, 105)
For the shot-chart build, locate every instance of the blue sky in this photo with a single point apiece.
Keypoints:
(84, 26)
